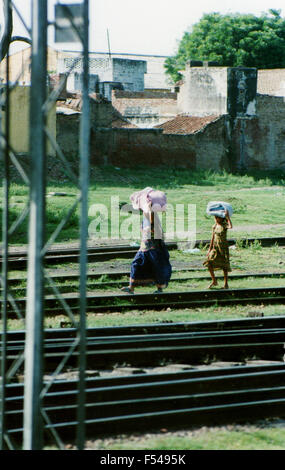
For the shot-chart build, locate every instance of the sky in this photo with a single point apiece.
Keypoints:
(152, 27)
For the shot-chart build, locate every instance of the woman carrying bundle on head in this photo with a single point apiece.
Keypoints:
(151, 264)
(218, 253)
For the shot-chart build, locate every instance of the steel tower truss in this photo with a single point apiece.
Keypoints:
(36, 421)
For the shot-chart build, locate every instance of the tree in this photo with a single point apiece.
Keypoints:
(233, 40)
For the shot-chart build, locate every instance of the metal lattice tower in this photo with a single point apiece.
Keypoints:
(36, 421)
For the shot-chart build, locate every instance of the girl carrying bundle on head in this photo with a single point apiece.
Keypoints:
(218, 253)
(151, 264)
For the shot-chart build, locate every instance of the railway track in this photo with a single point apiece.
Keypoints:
(168, 344)
(262, 323)
(150, 402)
(18, 259)
(185, 299)
(120, 278)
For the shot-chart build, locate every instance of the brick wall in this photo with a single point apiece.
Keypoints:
(67, 132)
(150, 147)
(101, 113)
(226, 143)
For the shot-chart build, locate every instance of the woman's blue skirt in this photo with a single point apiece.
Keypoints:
(151, 266)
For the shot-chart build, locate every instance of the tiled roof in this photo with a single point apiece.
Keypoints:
(119, 123)
(74, 101)
(186, 124)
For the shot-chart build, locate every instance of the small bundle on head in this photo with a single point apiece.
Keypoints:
(149, 200)
(219, 209)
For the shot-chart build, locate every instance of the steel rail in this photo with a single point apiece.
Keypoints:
(98, 274)
(18, 260)
(147, 401)
(264, 241)
(55, 259)
(62, 385)
(184, 299)
(268, 322)
(154, 349)
(160, 354)
(91, 249)
(16, 339)
(270, 334)
(119, 283)
(172, 419)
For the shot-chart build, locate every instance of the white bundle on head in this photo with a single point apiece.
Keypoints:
(219, 208)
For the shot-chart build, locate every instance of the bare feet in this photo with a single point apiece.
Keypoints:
(128, 290)
(214, 283)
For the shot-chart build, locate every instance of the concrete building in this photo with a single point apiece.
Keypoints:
(226, 124)
(155, 78)
(106, 74)
(211, 90)
(145, 109)
(231, 118)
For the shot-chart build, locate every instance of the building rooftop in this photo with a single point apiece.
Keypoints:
(183, 124)
(121, 123)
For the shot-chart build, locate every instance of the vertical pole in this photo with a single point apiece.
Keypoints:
(33, 426)
(5, 241)
(84, 183)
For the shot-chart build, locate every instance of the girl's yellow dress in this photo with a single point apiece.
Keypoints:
(218, 257)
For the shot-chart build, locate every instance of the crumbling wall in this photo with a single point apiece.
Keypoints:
(151, 147)
(241, 91)
(217, 90)
(145, 109)
(250, 134)
(260, 141)
(67, 129)
(101, 113)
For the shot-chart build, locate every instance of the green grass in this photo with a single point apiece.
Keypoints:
(138, 317)
(256, 198)
(250, 437)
